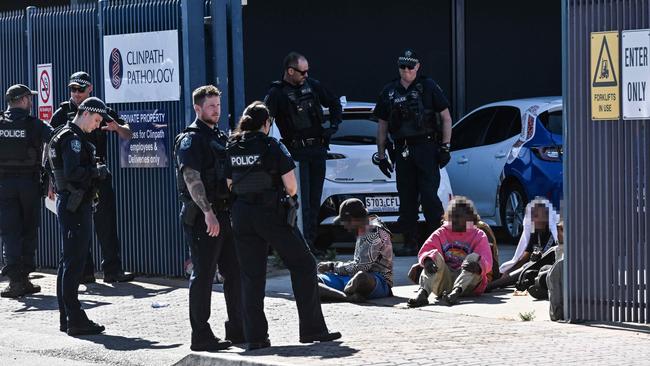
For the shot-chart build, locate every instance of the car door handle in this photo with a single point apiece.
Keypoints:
(462, 160)
(500, 155)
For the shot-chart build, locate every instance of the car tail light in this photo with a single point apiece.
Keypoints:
(548, 153)
(335, 156)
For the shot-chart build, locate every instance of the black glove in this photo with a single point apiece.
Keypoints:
(385, 166)
(101, 172)
(328, 132)
(443, 156)
(473, 267)
(430, 266)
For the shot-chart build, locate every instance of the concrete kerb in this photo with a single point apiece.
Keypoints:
(199, 359)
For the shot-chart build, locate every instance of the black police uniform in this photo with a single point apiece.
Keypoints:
(203, 149)
(299, 116)
(105, 216)
(71, 158)
(21, 145)
(256, 164)
(411, 114)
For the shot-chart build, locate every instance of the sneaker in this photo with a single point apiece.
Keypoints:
(211, 345)
(451, 298)
(119, 277)
(90, 328)
(323, 337)
(421, 299)
(14, 290)
(251, 346)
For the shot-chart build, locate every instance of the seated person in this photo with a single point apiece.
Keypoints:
(370, 274)
(535, 244)
(456, 258)
(416, 269)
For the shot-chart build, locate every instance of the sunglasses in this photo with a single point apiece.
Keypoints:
(301, 72)
(75, 89)
(406, 67)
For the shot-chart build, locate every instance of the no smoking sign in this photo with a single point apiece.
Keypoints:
(45, 105)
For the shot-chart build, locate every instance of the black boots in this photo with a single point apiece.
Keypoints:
(421, 299)
(19, 287)
(452, 297)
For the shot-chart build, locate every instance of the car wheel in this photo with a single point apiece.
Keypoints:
(513, 210)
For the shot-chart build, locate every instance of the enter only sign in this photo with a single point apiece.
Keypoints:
(636, 74)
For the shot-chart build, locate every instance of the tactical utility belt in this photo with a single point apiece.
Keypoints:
(313, 141)
(415, 140)
(261, 198)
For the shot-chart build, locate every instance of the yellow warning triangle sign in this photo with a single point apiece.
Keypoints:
(605, 70)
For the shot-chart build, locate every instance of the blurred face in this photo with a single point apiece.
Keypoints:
(539, 216)
(459, 219)
(78, 94)
(210, 111)
(560, 233)
(90, 121)
(297, 74)
(408, 73)
(354, 224)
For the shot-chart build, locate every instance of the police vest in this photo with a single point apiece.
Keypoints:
(305, 109)
(213, 178)
(252, 169)
(19, 146)
(64, 135)
(408, 114)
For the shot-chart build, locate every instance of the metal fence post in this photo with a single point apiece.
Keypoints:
(220, 61)
(193, 43)
(236, 56)
(29, 26)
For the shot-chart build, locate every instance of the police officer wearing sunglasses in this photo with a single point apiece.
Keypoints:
(415, 112)
(296, 104)
(105, 217)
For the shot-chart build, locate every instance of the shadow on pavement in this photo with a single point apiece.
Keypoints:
(125, 289)
(324, 350)
(49, 302)
(119, 343)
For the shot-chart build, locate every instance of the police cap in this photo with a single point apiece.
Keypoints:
(408, 58)
(352, 208)
(18, 91)
(80, 79)
(96, 105)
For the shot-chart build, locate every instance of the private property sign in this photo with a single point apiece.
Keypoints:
(635, 73)
(142, 67)
(604, 76)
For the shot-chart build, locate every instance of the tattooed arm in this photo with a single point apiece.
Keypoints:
(197, 192)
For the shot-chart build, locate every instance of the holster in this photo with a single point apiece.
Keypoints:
(290, 206)
(75, 198)
(189, 212)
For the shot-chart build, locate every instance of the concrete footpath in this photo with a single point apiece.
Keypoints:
(482, 331)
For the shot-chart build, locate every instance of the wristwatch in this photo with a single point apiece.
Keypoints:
(446, 146)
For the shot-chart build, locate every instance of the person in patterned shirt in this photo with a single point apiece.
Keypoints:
(369, 275)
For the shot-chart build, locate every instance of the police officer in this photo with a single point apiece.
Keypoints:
(21, 146)
(205, 215)
(295, 103)
(261, 174)
(105, 217)
(416, 114)
(71, 159)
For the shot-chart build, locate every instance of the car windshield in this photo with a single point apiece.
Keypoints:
(356, 129)
(552, 121)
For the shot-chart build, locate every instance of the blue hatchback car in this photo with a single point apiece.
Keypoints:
(506, 153)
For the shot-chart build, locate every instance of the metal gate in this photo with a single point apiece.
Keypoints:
(607, 175)
(70, 38)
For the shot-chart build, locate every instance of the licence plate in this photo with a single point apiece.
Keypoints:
(382, 204)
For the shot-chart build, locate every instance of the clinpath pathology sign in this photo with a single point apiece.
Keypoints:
(141, 67)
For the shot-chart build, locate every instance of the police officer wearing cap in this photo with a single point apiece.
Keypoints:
(260, 172)
(71, 159)
(415, 112)
(200, 154)
(105, 217)
(296, 104)
(21, 146)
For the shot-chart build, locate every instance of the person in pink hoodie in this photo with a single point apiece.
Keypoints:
(456, 258)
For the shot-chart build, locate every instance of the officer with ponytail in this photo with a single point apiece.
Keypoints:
(260, 173)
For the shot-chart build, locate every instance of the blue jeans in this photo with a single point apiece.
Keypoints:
(338, 282)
